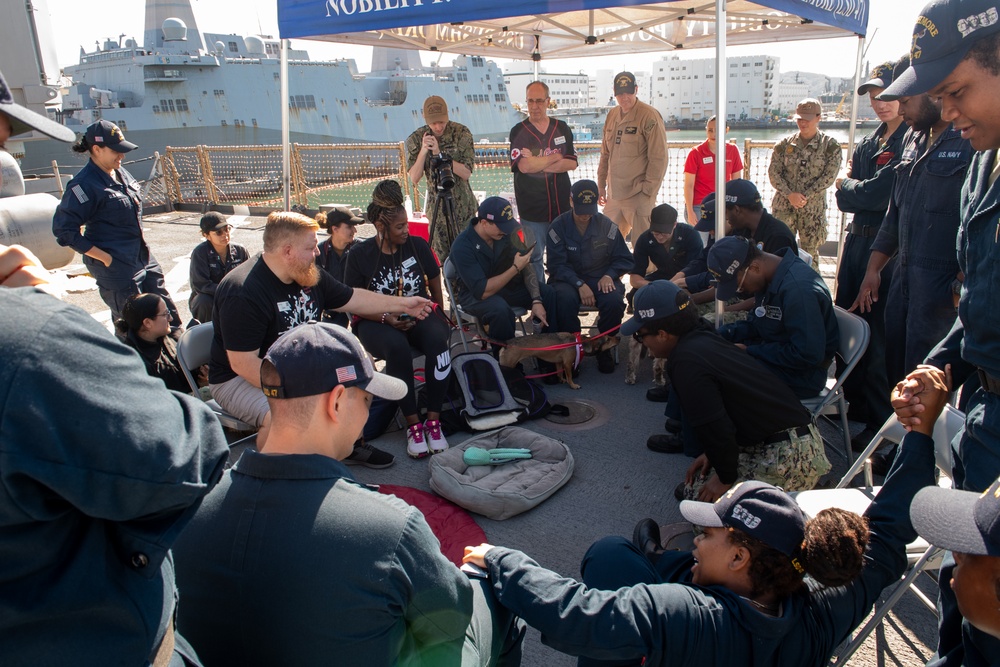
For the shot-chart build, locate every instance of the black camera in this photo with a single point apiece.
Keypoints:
(441, 169)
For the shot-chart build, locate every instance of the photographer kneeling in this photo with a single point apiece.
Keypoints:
(443, 152)
(395, 263)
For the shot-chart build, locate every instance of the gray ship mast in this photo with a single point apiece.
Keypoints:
(157, 11)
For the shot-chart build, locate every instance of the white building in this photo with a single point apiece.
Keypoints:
(568, 91)
(789, 95)
(602, 91)
(685, 89)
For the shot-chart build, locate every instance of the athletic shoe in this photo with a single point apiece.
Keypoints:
(369, 457)
(416, 446)
(435, 438)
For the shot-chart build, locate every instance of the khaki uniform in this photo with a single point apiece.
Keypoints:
(809, 168)
(456, 141)
(633, 162)
(795, 464)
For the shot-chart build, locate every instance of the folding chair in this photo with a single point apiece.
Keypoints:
(920, 555)
(194, 350)
(854, 337)
(462, 318)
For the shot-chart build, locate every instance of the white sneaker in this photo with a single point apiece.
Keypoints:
(416, 446)
(434, 436)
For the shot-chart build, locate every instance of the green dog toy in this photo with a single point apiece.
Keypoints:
(476, 456)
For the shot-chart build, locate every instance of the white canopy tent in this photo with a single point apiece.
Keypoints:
(529, 29)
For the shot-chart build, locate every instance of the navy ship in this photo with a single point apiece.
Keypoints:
(182, 87)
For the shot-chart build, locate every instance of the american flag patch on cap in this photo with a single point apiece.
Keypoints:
(346, 374)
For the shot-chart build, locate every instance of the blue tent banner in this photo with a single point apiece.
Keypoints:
(438, 24)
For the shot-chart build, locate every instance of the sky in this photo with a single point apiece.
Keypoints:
(76, 24)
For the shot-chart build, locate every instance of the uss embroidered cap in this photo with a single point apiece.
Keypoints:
(23, 119)
(435, 110)
(625, 83)
(726, 258)
(942, 37)
(654, 300)
(662, 219)
(499, 211)
(315, 357)
(107, 134)
(879, 77)
(741, 192)
(961, 521)
(706, 223)
(585, 197)
(760, 510)
(898, 68)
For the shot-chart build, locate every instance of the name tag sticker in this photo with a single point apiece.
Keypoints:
(559, 140)
(409, 261)
(707, 160)
(284, 306)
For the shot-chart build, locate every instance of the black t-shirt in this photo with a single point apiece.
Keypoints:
(730, 399)
(330, 261)
(772, 235)
(253, 307)
(160, 359)
(402, 273)
(541, 197)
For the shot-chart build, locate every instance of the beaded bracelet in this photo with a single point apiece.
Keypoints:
(384, 315)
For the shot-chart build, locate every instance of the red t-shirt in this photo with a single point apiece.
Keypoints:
(701, 163)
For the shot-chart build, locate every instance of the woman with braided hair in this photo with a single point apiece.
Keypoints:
(764, 584)
(395, 263)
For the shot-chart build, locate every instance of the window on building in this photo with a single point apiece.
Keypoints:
(182, 104)
(233, 47)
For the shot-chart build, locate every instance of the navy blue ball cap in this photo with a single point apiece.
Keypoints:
(879, 77)
(653, 301)
(741, 192)
(585, 197)
(315, 357)
(942, 37)
(107, 134)
(499, 211)
(760, 510)
(961, 521)
(726, 258)
(706, 223)
(662, 219)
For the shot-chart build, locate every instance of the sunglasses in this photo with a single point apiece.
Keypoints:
(638, 336)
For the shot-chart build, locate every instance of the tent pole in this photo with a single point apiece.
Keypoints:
(850, 151)
(721, 118)
(286, 170)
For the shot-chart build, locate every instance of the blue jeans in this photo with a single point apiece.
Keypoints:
(539, 230)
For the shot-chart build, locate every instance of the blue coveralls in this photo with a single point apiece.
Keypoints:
(921, 226)
(866, 194)
(112, 213)
(973, 344)
(575, 259)
(792, 328)
(476, 262)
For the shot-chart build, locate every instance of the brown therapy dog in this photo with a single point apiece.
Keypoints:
(563, 355)
(636, 352)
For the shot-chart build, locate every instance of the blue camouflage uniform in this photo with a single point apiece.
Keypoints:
(112, 214)
(792, 328)
(973, 345)
(921, 227)
(866, 194)
(574, 260)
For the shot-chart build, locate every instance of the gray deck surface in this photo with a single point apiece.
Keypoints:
(617, 481)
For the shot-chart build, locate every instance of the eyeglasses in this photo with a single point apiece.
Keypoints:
(544, 100)
(739, 287)
(224, 230)
(638, 336)
(165, 315)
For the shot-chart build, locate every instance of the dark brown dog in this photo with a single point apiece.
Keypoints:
(562, 356)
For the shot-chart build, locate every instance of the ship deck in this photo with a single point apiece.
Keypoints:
(617, 481)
